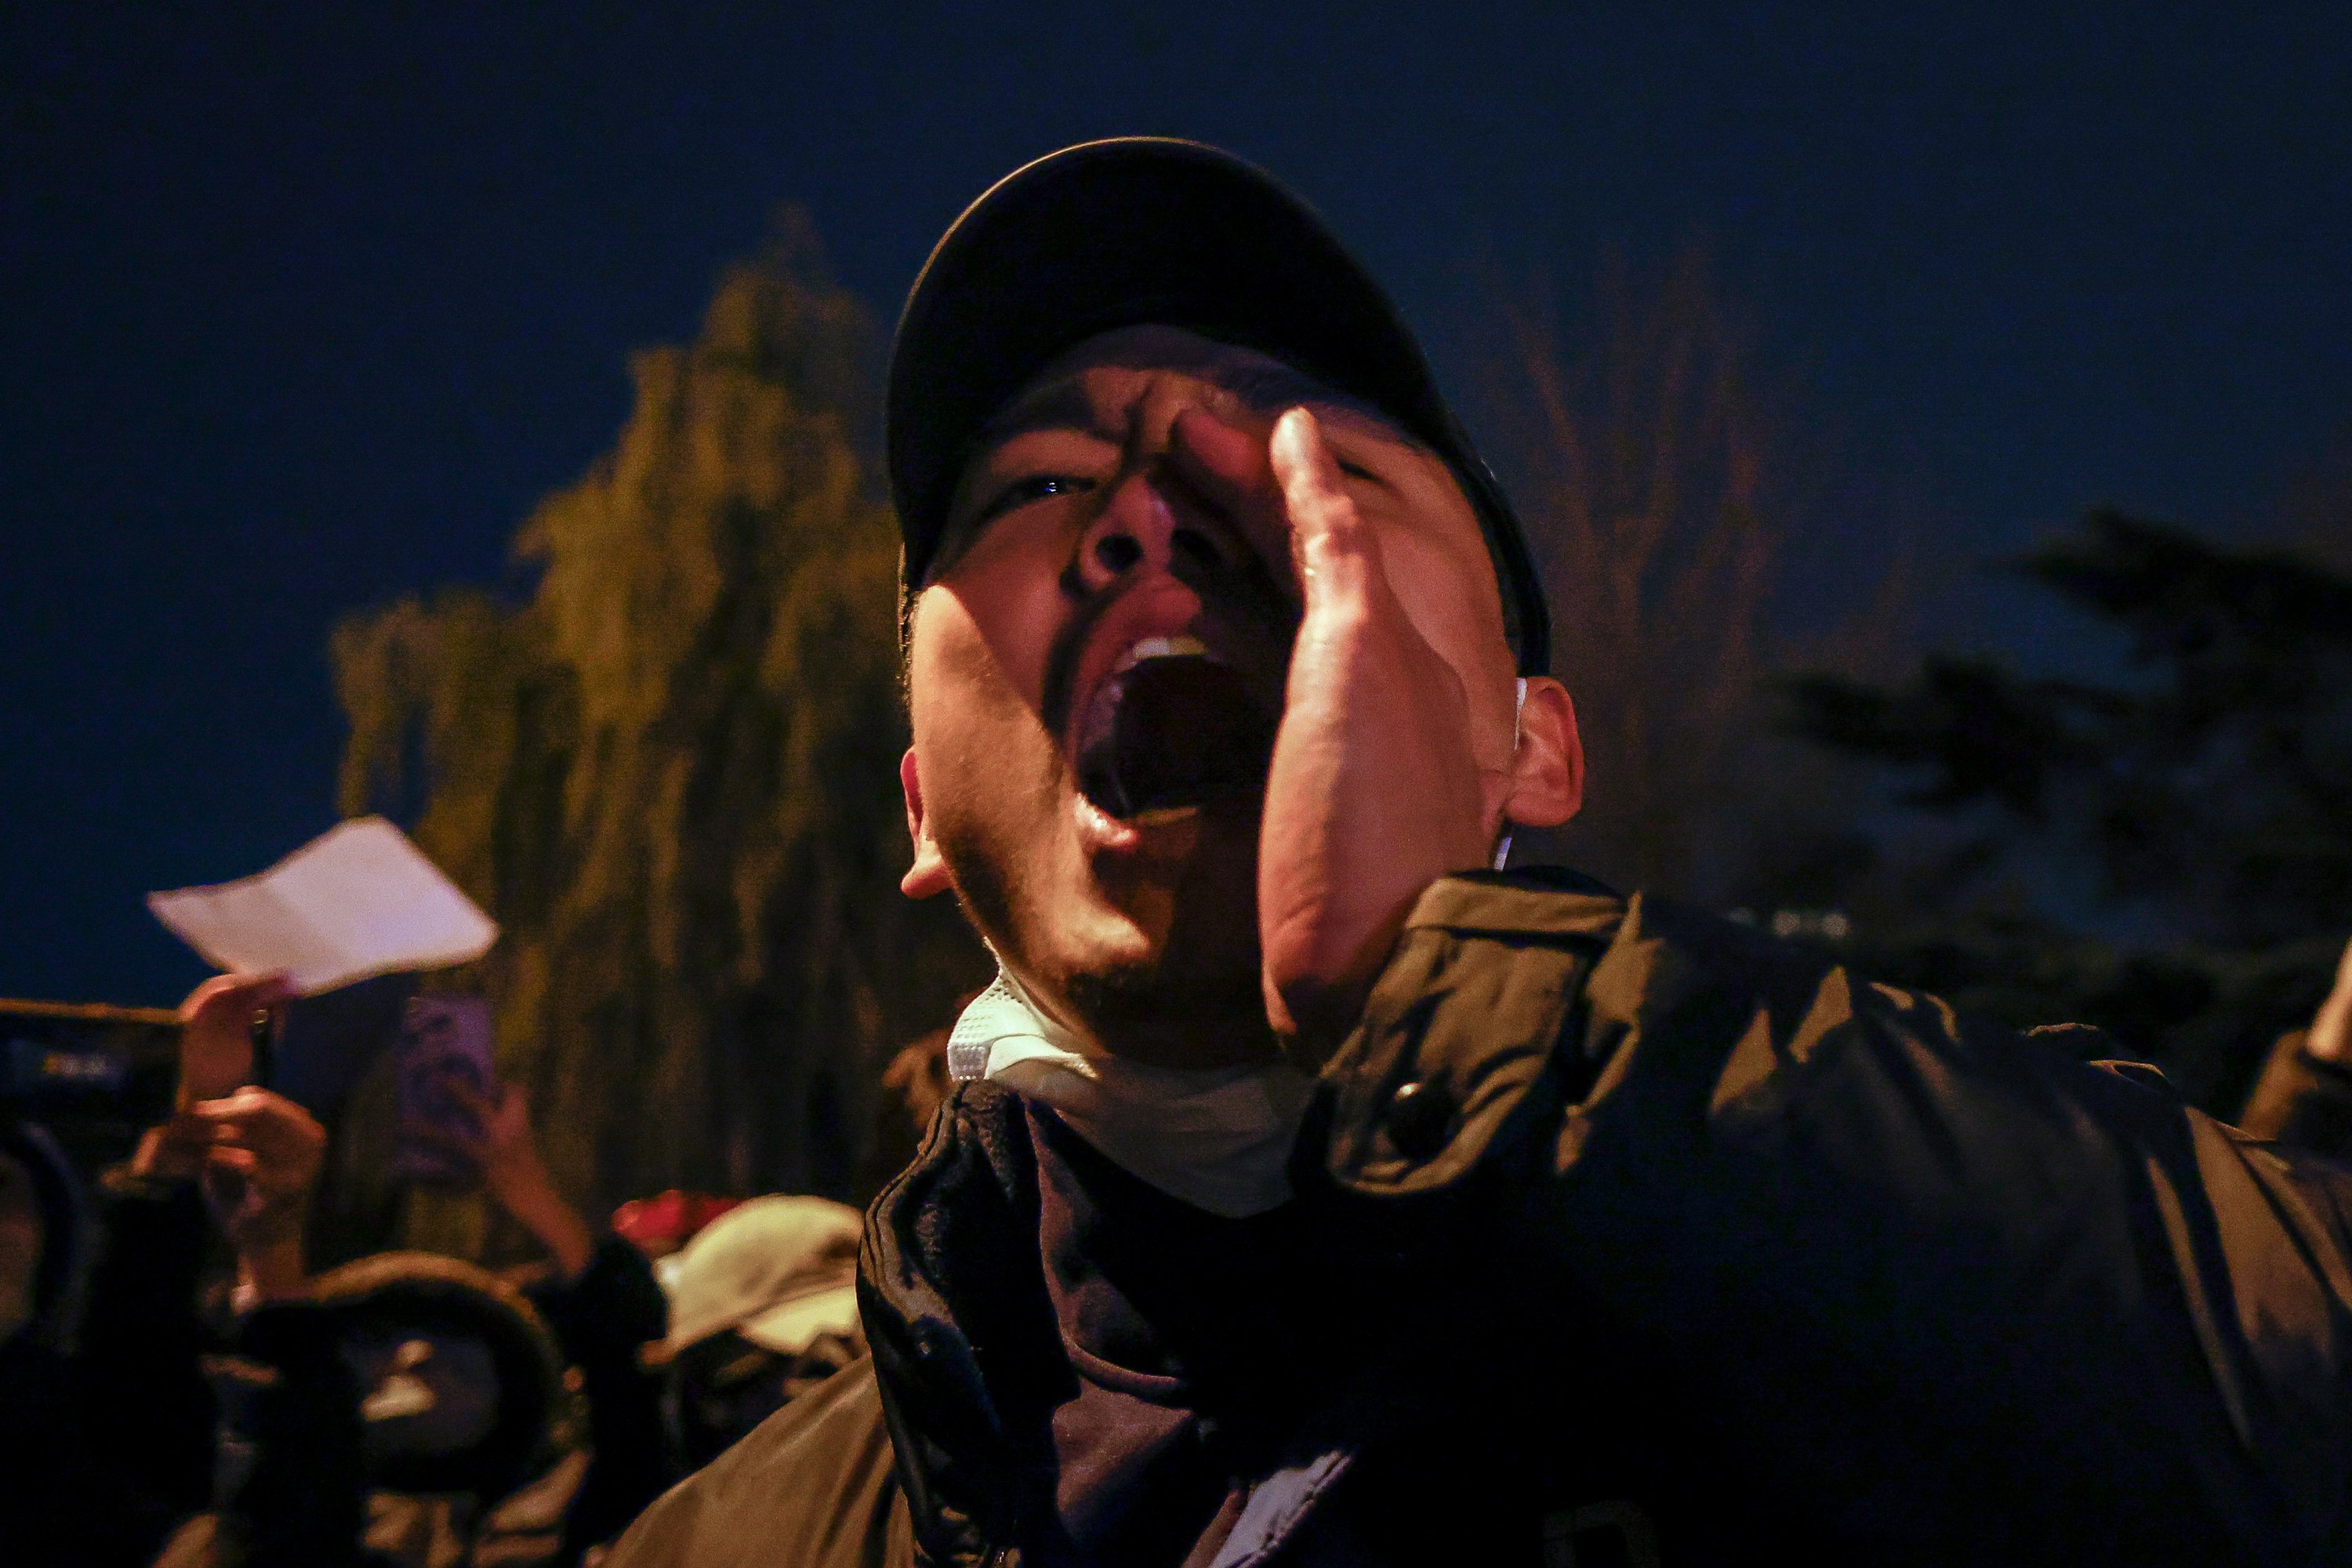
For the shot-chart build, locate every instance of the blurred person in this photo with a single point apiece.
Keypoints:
(763, 1308)
(604, 1304)
(105, 1421)
(385, 1413)
(394, 1410)
(59, 1503)
(1317, 1189)
(289, 1480)
(389, 1413)
(286, 1482)
(913, 1088)
(460, 1388)
(42, 1234)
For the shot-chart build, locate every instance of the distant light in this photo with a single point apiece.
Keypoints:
(1790, 925)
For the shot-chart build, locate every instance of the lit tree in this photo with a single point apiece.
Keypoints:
(672, 773)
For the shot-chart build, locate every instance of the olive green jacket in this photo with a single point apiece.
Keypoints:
(1694, 1241)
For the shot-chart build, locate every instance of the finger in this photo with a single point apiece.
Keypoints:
(233, 1161)
(263, 1120)
(224, 1129)
(512, 1121)
(1313, 489)
(1225, 463)
(251, 1098)
(2330, 1039)
(186, 1127)
(284, 1130)
(1335, 548)
(241, 1104)
(225, 996)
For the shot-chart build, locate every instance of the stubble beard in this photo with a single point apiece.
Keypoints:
(1195, 999)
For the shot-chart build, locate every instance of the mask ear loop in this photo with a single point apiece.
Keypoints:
(1518, 707)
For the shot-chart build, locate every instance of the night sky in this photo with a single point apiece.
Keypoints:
(302, 307)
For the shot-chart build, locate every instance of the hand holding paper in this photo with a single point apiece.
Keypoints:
(360, 899)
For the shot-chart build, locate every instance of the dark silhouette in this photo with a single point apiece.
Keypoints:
(2202, 801)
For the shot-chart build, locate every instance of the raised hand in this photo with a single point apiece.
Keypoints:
(506, 1153)
(260, 1167)
(1374, 792)
(217, 1032)
(216, 1024)
(2330, 1039)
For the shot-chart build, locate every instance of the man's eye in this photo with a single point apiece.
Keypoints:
(1037, 487)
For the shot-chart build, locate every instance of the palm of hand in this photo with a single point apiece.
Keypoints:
(1373, 793)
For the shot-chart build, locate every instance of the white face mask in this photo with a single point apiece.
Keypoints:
(1219, 1138)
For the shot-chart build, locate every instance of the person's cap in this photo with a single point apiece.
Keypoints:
(779, 1271)
(1140, 230)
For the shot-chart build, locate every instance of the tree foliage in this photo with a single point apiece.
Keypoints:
(1670, 488)
(671, 773)
(2212, 789)
(2205, 797)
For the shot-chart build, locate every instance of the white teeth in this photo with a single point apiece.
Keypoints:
(1180, 646)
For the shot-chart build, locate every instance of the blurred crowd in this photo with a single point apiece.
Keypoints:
(178, 1388)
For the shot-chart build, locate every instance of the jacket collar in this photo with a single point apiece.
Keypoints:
(953, 1299)
(971, 1362)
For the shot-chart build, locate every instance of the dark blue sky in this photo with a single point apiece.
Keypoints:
(301, 307)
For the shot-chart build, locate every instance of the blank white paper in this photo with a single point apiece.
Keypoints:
(357, 900)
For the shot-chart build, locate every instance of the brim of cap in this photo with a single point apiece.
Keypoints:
(1154, 230)
(795, 1325)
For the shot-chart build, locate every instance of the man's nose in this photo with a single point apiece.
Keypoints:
(1143, 527)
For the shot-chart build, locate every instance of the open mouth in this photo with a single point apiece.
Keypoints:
(1171, 729)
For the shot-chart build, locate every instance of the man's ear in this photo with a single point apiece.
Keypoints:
(1548, 769)
(928, 874)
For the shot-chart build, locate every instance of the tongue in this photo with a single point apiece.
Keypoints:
(1182, 732)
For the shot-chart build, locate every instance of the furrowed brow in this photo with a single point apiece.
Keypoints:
(1271, 388)
(1063, 405)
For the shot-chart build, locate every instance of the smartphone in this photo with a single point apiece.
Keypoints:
(445, 1041)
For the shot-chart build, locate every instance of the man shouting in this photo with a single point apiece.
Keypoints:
(1315, 1195)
